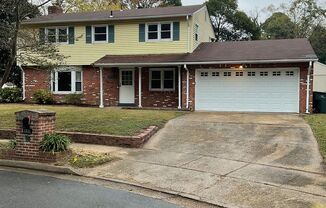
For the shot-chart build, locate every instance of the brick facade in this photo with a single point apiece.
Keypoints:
(40, 79)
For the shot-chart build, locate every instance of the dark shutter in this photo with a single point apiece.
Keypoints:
(71, 33)
(176, 31)
(88, 34)
(111, 34)
(42, 35)
(141, 32)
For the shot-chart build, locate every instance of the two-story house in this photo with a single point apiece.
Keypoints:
(165, 58)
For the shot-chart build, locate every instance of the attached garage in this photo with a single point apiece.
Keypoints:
(248, 90)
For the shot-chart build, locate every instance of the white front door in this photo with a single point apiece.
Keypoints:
(127, 88)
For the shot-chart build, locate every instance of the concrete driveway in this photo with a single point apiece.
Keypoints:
(229, 159)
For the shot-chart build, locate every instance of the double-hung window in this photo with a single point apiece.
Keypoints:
(57, 35)
(162, 79)
(196, 32)
(159, 31)
(66, 81)
(100, 33)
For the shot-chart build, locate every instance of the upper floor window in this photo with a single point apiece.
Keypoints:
(57, 35)
(159, 31)
(196, 32)
(100, 33)
(66, 81)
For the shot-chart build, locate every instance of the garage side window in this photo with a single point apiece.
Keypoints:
(162, 80)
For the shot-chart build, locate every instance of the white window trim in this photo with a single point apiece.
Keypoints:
(159, 29)
(106, 34)
(162, 79)
(57, 34)
(54, 79)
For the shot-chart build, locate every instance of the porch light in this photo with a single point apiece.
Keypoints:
(241, 67)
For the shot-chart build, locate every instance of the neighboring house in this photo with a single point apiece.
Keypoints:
(319, 77)
(164, 57)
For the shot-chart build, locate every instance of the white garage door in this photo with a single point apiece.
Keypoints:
(256, 90)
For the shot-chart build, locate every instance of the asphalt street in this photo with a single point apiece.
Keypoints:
(20, 190)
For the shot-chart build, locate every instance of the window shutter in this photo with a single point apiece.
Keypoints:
(111, 34)
(71, 35)
(141, 32)
(42, 35)
(176, 31)
(88, 34)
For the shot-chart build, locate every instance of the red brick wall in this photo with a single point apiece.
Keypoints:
(35, 79)
(39, 79)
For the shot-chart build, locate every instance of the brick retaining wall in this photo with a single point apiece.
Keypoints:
(101, 139)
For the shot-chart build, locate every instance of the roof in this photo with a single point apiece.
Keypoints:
(159, 12)
(262, 51)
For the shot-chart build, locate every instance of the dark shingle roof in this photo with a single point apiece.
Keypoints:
(179, 11)
(264, 51)
(285, 49)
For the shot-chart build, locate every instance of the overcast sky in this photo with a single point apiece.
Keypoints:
(250, 6)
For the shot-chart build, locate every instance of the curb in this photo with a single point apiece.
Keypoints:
(174, 193)
(39, 166)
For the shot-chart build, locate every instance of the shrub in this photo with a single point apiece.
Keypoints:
(43, 96)
(73, 99)
(54, 143)
(10, 95)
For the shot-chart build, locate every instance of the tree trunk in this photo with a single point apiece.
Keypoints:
(12, 57)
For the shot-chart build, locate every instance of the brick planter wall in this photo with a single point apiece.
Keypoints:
(105, 139)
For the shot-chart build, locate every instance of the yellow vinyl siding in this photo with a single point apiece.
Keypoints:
(126, 43)
(205, 28)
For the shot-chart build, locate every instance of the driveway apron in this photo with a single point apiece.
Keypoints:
(229, 159)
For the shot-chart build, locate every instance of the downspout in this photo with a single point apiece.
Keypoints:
(187, 90)
(308, 88)
(188, 30)
(23, 81)
(101, 88)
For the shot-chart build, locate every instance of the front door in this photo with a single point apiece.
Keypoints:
(127, 89)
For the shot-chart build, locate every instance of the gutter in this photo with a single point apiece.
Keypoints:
(207, 62)
(106, 19)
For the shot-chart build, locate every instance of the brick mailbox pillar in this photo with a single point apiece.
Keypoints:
(31, 126)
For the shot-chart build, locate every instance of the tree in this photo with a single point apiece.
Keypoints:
(306, 15)
(230, 23)
(279, 26)
(70, 6)
(172, 3)
(318, 42)
(19, 44)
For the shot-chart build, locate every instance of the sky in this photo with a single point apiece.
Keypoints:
(250, 6)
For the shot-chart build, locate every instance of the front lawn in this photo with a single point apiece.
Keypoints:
(318, 125)
(94, 120)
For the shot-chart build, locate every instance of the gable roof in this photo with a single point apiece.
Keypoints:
(159, 12)
(233, 52)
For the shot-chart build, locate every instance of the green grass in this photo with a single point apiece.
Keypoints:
(318, 125)
(94, 120)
